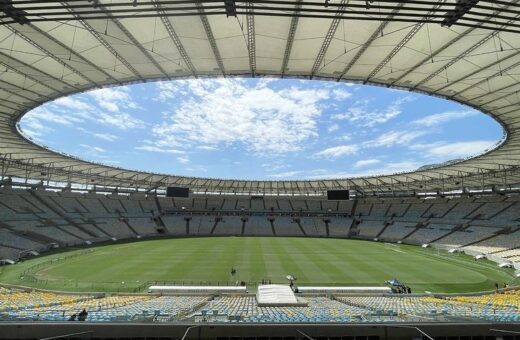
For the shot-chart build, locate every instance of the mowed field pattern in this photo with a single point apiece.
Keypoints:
(314, 261)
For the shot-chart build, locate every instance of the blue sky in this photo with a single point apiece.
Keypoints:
(261, 128)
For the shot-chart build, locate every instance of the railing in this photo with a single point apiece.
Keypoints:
(27, 273)
(144, 286)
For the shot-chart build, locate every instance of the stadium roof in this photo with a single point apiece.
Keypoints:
(464, 50)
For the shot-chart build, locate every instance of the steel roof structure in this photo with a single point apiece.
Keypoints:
(463, 50)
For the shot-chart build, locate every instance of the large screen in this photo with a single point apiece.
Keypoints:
(338, 195)
(177, 192)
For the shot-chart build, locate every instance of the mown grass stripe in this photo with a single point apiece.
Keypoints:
(312, 260)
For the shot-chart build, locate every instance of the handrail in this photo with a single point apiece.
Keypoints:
(66, 335)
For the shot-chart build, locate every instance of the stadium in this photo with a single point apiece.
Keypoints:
(93, 251)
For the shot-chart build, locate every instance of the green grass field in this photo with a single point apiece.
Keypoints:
(208, 260)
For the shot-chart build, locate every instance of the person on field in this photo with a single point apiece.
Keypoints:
(83, 315)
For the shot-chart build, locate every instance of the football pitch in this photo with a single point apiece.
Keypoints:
(209, 260)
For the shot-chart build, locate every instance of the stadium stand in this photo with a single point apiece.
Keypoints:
(286, 226)
(397, 231)
(202, 225)
(479, 307)
(339, 226)
(466, 236)
(176, 224)
(258, 225)
(18, 304)
(370, 229)
(495, 244)
(313, 227)
(246, 309)
(428, 233)
(142, 225)
(463, 50)
(37, 220)
(229, 225)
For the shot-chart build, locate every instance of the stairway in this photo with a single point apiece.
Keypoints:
(160, 224)
(35, 237)
(417, 227)
(63, 216)
(125, 221)
(481, 240)
(386, 224)
(459, 227)
(217, 220)
(327, 227)
(298, 221)
(271, 222)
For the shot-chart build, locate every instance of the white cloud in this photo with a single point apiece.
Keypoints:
(366, 162)
(33, 127)
(112, 99)
(277, 165)
(389, 168)
(231, 115)
(443, 117)
(121, 121)
(207, 148)
(341, 94)
(151, 148)
(362, 115)
(226, 111)
(92, 150)
(333, 128)
(455, 150)
(104, 136)
(110, 106)
(183, 160)
(167, 90)
(43, 114)
(72, 103)
(37, 122)
(285, 174)
(337, 151)
(346, 137)
(196, 169)
(72, 111)
(395, 138)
